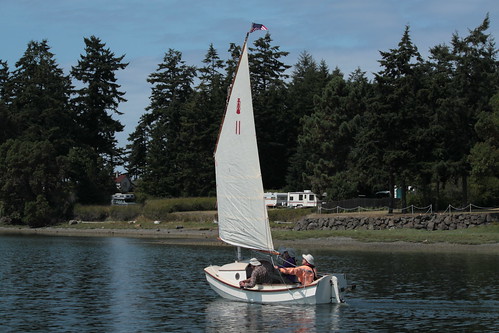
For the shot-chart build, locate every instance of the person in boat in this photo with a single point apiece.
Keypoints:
(259, 275)
(288, 260)
(306, 273)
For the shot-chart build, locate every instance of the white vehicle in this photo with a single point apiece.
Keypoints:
(123, 199)
(274, 199)
(242, 215)
(302, 199)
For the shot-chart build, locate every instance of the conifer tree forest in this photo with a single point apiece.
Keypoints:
(429, 127)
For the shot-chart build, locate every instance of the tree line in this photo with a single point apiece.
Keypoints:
(57, 141)
(429, 127)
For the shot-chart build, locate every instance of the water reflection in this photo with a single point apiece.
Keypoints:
(228, 316)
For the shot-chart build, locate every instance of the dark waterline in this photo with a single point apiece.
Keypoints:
(93, 284)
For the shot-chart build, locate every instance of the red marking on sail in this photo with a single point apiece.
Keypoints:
(238, 127)
(238, 108)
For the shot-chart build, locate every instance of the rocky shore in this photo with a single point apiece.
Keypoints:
(428, 222)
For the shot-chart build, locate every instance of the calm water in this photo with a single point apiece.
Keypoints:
(73, 284)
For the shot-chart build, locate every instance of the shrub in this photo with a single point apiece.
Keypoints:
(158, 209)
(91, 213)
(38, 213)
(125, 212)
(153, 209)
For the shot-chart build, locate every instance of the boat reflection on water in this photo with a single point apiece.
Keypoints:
(230, 316)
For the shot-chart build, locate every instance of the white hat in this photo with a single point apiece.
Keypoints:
(254, 262)
(308, 258)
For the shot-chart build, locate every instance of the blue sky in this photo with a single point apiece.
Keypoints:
(346, 34)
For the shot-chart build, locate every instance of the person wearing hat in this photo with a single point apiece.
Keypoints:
(259, 275)
(306, 273)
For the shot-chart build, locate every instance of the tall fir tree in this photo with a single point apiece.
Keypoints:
(5, 124)
(231, 64)
(96, 102)
(471, 66)
(34, 174)
(136, 163)
(484, 156)
(327, 137)
(171, 89)
(391, 117)
(200, 124)
(307, 83)
(268, 74)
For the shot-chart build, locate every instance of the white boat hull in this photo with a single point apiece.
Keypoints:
(224, 280)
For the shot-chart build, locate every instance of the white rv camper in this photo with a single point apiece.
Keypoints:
(302, 199)
(274, 199)
(123, 199)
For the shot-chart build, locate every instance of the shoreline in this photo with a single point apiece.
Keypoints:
(210, 238)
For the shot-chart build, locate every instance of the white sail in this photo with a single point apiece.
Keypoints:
(242, 214)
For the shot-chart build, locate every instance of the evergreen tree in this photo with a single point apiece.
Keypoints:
(386, 142)
(484, 156)
(35, 190)
(328, 135)
(196, 166)
(33, 174)
(432, 171)
(269, 103)
(209, 75)
(4, 79)
(351, 180)
(39, 105)
(266, 68)
(137, 149)
(91, 174)
(200, 124)
(5, 124)
(96, 103)
(231, 64)
(172, 88)
(472, 67)
(307, 82)
(99, 98)
(211, 97)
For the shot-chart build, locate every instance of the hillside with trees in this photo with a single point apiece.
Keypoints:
(428, 125)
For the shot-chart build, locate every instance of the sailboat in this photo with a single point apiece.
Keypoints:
(242, 214)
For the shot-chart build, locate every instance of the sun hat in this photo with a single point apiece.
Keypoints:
(308, 258)
(254, 262)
